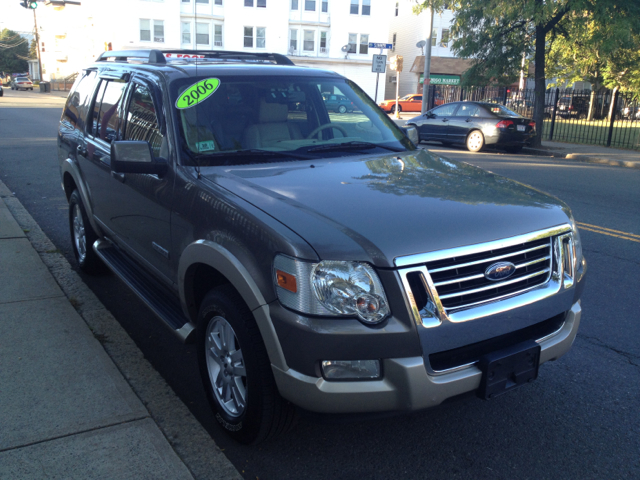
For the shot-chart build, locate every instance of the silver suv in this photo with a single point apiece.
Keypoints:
(317, 259)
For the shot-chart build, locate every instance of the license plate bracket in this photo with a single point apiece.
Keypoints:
(508, 368)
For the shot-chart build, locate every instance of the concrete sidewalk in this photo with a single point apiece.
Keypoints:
(66, 410)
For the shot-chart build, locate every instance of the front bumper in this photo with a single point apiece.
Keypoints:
(406, 384)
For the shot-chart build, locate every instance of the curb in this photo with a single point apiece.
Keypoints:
(191, 442)
(581, 158)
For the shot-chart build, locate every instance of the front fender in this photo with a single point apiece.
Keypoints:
(70, 167)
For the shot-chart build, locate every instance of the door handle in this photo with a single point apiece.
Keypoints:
(445, 119)
(118, 176)
(82, 151)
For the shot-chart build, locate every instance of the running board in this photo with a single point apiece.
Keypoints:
(163, 303)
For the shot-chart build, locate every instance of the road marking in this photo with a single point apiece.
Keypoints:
(608, 231)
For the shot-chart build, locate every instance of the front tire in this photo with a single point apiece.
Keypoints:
(83, 237)
(342, 109)
(393, 108)
(236, 370)
(475, 141)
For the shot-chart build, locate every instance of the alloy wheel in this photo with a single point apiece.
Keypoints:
(226, 368)
(79, 235)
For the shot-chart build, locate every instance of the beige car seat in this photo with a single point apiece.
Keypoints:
(272, 127)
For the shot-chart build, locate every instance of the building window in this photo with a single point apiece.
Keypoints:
(202, 33)
(364, 43)
(145, 30)
(309, 41)
(393, 42)
(323, 42)
(293, 40)
(261, 4)
(325, 6)
(217, 2)
(444, 41)
(434, 37)
(186, 32)
(353, 41)
(261, 37)
(294, 5)
(355, 7)
(366, 7)
(248, 3)
(203, 1)
(310, 5)
(248, 37)
(397, 7)
(158, 31)
(186, 1)
(217, 35)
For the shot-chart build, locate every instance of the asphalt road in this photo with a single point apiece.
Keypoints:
(579, 420)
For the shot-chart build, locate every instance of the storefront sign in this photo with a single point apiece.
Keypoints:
(442, 79)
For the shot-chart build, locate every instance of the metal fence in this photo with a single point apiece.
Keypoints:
(595, 118)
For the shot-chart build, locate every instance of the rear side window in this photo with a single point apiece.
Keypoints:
(445, 110)
(75, 109)
(142, 122)
(469, 110)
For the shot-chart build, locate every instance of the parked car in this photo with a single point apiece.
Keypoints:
(337, 103)
(475, 124)
(21, 83)
(573, 107)
(315, 260)
(1, 91)
(408, 103)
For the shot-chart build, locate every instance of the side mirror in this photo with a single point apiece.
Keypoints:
(411, 133)
(136, 157)
(430, 115)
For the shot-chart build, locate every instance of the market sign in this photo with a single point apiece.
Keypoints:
(442, 79)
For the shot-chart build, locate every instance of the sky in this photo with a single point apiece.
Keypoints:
(15, 17)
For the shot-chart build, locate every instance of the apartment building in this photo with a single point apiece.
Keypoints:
(405, 31)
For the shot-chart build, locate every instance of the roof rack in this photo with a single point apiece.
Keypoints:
(158, 56)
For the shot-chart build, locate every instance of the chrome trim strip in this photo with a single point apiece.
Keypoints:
(499, 257)
(532, 262)
(422, 258)
(553, 334)
(494, 285)
(459, 280)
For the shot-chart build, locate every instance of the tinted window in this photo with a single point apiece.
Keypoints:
(95, 114)
(142, 123)
(108, 119)
(469, 110)
(501, 111)
(445, 110)
(75, 109)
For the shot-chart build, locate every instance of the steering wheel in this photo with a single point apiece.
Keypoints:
(324, 127)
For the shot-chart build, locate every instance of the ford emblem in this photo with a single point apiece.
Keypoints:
(499, 271)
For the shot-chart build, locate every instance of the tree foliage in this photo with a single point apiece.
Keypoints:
(12, 47)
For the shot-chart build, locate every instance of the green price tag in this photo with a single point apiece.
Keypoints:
(197, 93)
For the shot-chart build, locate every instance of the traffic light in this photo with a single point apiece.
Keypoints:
(396, 63)
(107, 46)
(29, 4)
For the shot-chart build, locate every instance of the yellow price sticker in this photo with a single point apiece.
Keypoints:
(196, 93)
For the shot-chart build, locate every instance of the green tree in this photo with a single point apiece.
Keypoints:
(497, 34)
(13, 51)
(33, 53)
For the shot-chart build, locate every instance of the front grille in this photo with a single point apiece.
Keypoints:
(460, 281)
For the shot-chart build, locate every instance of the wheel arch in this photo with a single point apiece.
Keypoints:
(205, 265)
(71, 180)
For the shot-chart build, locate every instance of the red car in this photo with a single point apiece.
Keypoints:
(408, 103)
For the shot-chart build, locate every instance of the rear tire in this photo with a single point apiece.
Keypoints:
(475, 141)
(342, 109)
(83, 237)
(393, 108)
(236, 370)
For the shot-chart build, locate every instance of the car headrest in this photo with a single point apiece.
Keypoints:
(273, 112)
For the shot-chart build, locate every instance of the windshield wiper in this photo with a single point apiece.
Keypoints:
(354, 145)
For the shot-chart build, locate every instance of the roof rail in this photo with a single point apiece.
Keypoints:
(152, 56)
(228, 55)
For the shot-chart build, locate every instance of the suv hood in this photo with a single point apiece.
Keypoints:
(377, 208)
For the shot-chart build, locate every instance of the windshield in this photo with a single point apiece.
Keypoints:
(226, 120)
(22, 79)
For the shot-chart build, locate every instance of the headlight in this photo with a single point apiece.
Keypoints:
(577, 242)
(331, 288)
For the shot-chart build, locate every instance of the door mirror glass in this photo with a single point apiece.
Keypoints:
(135, 157)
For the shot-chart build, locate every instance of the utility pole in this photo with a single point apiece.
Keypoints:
(427, 63)
(35, 23)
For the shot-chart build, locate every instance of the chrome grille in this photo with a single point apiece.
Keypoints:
(450, 285)
(461, 282)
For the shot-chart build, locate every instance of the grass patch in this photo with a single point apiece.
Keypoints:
(626, 134)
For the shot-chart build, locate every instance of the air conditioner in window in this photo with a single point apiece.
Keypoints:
(217, 44)
(323, 49)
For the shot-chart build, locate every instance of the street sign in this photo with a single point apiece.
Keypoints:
(386, 46)
(379, 64)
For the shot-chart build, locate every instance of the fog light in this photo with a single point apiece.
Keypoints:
(351, 369)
